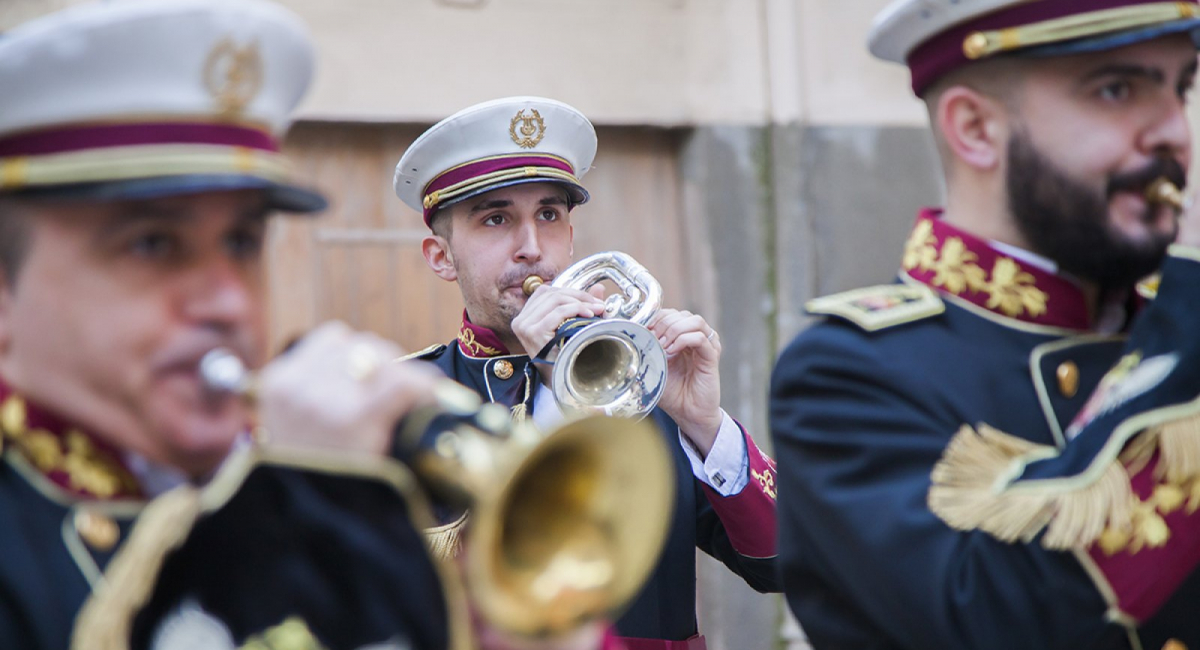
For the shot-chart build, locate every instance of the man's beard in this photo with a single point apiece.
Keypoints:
(1068, 222)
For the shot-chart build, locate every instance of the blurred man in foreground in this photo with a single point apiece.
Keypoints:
(139, 162)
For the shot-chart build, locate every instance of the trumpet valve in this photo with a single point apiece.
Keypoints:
(531, 284)
(1163, 191)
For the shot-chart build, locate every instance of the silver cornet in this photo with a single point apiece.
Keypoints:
(611, 365)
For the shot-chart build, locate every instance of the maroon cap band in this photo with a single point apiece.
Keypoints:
(80, 138)
(466, 173)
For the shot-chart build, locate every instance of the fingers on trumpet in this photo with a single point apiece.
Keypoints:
(338, 389)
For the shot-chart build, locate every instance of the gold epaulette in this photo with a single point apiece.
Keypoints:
(421, 354)
(880, 307)
(972, 488)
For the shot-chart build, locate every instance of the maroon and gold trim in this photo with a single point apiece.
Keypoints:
(476, 175)
(115, 151)
(749, 516)
(69, 456)
(1159, 534)
(966, 268)
(479, 342)
(1031, 24)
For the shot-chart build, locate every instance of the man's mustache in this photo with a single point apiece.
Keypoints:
(1138, 181)
(517, 276)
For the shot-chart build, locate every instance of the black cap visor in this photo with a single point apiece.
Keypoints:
(576, 194)
(1112, 41)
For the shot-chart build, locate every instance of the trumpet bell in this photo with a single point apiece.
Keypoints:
(614, 367)
(576, 531)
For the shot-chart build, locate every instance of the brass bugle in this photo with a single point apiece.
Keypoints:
(1164, 192)
(565, 526)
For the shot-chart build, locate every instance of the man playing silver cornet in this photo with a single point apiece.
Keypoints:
(496, 184)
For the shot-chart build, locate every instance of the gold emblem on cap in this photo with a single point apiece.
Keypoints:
(100, 532)
(1068, 379)
(503, 369)
(527, 130)
(233, 75)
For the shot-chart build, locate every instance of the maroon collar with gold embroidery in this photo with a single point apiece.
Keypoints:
(70, 457)
(477, 341)
(960, 265)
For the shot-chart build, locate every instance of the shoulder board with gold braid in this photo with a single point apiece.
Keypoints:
(880, 307)
(431, 351)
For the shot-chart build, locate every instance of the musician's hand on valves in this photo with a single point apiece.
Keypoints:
(340, 389)
(693, 393)
(548, 308)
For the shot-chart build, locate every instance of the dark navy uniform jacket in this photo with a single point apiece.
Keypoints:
(863, 405)
(294, 548)
(666, 607)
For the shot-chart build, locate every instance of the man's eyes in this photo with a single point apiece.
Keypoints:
(1185, 89)
(245, 244)
(155, 245)
(1116, 91)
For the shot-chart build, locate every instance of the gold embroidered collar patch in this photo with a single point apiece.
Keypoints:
(477, 341)
(66, 455)
(958, 264)
(472, 346)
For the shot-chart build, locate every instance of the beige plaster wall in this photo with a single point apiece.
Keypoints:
(655, 62)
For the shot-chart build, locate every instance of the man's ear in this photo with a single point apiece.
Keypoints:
(439, 257)
(974, 126)
(571, 234)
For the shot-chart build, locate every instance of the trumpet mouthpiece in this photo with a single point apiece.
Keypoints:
(531, 284)
(1164, 192)
(222, 371)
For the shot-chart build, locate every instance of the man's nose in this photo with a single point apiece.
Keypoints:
(529, 245)
(1170, 134)
(221, 293)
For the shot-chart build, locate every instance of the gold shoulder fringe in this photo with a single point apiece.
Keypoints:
(1179, 447)
(969, 492)
(105, 620)
(445, 541)
(420, 353)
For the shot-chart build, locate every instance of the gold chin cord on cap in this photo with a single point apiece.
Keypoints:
(565, 526)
